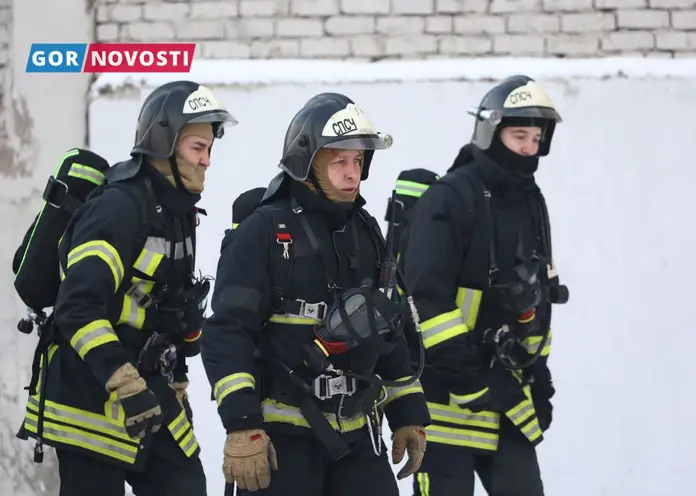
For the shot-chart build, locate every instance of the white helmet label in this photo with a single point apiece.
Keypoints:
(349, 121)
(202, 100)
(529, 95)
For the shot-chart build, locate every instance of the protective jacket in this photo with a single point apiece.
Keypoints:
(475, 217)
(272, 288)
(126, 253)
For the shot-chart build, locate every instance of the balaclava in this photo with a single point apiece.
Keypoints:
(520, 166)
(192, 175)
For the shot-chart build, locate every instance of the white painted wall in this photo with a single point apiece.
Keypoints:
(41, 116)
(620, 185)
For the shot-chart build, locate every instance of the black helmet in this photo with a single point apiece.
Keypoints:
(517, 99)
(168, 108)
(329, 120)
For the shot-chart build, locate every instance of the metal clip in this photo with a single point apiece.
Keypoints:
(286, 248)
(313, 310)
(326, 387)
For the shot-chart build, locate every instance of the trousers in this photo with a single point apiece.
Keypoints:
(513, 470)
(305, 469)
(168, 472)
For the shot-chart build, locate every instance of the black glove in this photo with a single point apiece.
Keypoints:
(544, 411)
(143, 413)
(505, 391)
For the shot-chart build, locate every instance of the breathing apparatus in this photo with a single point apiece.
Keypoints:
(366, 316)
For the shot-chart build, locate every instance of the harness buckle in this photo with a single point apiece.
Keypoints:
(326, 386)
(313, 310)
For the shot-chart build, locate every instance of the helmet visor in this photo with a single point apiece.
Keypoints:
(374, 142)
(534, 113)
(222, 117)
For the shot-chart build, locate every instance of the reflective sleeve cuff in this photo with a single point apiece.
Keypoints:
(532, 343)
(232, 383)
(394, 393)
(95, 334)
(465, 399)
(103, 250)
(443, 327)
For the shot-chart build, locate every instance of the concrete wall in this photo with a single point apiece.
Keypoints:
(40, 117)
(620, 196)
(407, 28)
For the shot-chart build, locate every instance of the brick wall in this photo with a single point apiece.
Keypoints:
(407, 28)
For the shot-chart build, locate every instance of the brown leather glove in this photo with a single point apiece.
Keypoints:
(180, 391)
(249, 458)
(142, 409)
(409, 438)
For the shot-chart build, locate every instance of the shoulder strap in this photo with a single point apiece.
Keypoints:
(281, 262)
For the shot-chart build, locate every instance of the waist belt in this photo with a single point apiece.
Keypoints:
(339, 395)
(300, 308)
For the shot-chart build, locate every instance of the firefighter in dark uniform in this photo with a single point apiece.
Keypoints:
(289, 312)
(477, 258)
(129, 311)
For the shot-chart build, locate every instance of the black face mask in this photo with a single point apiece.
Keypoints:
(520, 166)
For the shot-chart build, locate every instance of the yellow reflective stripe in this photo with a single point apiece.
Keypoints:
(275, 411)
(463, 399)
(182, 431)
(410, 188)
(423, 480)
(532, 430)
(102, 424)
(132, 313)
(290, 319)
(151, 255)
(96, 333)
(235, 225)
(232, 383)
(103, 250)
(453, 414)
(521, 412)
(443, 327)
(397, 392)
(72, 436)
(532, 343)
(469, 302)
(87, 173)
(61, 272)
(462, 437)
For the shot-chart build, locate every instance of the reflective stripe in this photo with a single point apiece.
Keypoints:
(290, 318)
(232, 383)
(131, 313)
(463, 416)
(103, 250)
(235, 225)
(72, 436)
(487, 441)
(525, 413)
(87, 173)
(410, 188)
(469, 302)
(394, 393)
(151, 256)
(532, 343)
(423, 480)
(182, 431)
(443, 327)
(463, 399)
(275, 411)
(94, 334)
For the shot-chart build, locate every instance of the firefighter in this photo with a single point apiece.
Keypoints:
(477, 259)
(129, 311)
(289, 314)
